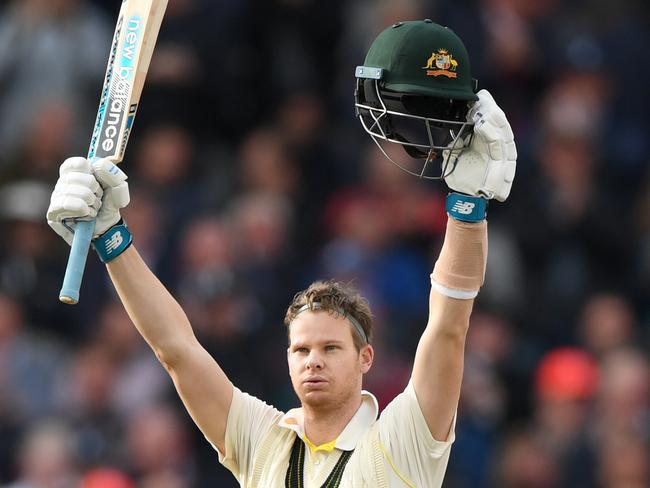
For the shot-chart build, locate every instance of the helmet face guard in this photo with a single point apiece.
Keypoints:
(429, 129)
(415, 90)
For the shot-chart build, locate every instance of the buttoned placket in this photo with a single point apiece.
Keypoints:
(316, 461)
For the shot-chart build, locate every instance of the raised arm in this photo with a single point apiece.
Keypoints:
(438, 366)
(484, 170)
(200, 382)
(100, 191)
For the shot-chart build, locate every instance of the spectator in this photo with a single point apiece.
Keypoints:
(46, 458)
(51, 54)
(157, 448)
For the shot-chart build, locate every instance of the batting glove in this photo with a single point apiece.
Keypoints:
(86, 191)
(486, 167)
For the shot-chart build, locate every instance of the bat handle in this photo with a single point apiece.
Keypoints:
(76, 262)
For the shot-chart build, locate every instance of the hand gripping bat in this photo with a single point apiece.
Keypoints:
(133, 42)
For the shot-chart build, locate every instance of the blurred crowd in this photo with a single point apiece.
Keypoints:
(250, 177)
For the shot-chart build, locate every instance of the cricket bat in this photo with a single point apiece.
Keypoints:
(135, 36)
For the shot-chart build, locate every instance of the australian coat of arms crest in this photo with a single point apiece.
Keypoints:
(441, 63)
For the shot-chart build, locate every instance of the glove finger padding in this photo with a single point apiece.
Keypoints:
(71, 200)
(85, 191)
(76, 193)
(67, 206)
(83, 179)
(116, 193)
(487, 167)
(118, 196)
(75, 165)
(108, 174)
(499, 179)
(79, 191)
(486, 109)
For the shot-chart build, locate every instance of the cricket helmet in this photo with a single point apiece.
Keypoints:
(415, 89)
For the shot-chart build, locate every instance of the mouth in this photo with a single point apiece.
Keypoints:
(315, 382)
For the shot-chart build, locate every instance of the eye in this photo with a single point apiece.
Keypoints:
(301, 350)
(331, 347)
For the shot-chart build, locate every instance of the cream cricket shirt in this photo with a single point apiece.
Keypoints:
(396, 450)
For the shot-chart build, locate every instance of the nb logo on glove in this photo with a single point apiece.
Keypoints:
(464, 208)
(114, 242)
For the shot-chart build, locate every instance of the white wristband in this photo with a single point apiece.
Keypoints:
(453, 293)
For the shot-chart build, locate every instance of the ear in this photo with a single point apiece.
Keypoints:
(366, 356)
(289, 361)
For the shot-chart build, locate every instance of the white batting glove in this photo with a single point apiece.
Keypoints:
(487, 166)
(85, 191)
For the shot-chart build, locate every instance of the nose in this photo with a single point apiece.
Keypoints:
(314, 360)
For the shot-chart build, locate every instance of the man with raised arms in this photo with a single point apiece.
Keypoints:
(417, 70)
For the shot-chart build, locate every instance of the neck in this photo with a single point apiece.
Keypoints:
(325, 425)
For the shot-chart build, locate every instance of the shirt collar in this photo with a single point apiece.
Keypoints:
(365, 416)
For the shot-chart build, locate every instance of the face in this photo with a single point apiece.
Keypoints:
(325, 367)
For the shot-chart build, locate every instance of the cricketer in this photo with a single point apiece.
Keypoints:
(415, 73)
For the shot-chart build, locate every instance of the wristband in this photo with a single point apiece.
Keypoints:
(453, 292)
(466, 208)
(113, 242)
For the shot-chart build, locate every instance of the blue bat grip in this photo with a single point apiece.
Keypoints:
(77, 261)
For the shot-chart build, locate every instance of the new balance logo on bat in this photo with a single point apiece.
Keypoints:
(121, 85)
(114, 242)
(464, 208)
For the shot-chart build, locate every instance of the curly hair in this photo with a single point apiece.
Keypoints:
(336, 298)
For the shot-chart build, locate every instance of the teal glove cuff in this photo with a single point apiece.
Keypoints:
(113, 242)
(466, 208)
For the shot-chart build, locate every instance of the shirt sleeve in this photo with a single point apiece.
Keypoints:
(411, 451)
(249, 419)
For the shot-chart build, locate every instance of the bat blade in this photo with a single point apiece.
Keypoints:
(133, 43)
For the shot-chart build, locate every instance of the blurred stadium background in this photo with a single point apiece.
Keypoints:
(250, 177)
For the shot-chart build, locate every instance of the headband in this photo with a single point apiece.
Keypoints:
(353, 321)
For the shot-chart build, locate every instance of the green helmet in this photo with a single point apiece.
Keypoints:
(415, 89)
